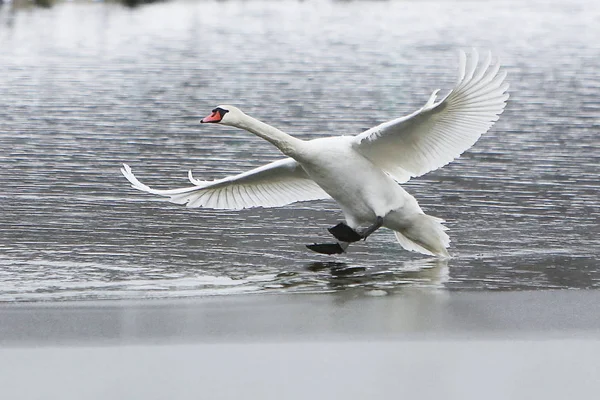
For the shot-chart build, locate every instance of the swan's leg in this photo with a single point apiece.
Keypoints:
(346, 234)
(378, 224)
(328, 248)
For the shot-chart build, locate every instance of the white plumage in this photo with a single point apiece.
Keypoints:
(362, 172)
(273, 185)
(438, 133)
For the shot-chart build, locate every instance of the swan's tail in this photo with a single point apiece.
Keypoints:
(424, 234)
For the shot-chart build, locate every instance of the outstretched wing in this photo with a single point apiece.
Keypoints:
(439, 132)
(273, 185)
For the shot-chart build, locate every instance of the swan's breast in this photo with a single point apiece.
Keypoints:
(361, 189)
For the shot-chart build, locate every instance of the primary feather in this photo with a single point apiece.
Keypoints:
(436, 134)
(276, 184)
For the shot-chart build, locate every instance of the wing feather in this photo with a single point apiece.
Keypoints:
(439, 132)
(276, 184)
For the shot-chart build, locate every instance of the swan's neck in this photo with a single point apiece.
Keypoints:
(284, 142)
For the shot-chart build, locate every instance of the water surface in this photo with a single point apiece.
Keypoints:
(86, 87)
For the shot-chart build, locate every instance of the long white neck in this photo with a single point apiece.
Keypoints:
(284, 142)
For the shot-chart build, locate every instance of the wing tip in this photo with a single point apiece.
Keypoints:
(462, 65)
(134, 181)
(193, 180)
(125, 170)
(128, 174)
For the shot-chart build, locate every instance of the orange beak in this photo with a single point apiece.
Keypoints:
(214, 117)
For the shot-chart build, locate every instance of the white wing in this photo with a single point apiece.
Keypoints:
(439, 132)
(273, 185)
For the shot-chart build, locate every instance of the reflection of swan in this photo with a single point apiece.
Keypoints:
(432, 271)
(361, 172)
(335, 268)
(429, 273)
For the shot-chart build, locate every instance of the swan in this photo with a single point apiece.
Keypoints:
(363, 172)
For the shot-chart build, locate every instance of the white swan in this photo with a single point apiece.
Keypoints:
(361, 173)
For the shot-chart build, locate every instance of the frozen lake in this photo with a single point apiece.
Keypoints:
(86, 87)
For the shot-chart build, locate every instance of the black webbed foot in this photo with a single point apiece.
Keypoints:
(344, 233)
(326, 248)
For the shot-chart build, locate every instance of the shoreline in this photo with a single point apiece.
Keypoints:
(412, 314)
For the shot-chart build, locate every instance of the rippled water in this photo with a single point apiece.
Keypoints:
(85, 87)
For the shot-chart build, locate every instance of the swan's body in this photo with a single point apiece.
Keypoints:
(362, 190)
(361, 173)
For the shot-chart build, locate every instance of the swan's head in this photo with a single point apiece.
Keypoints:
(223, 114)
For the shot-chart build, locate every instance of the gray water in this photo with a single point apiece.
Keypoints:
(86, 87)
